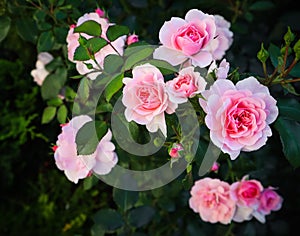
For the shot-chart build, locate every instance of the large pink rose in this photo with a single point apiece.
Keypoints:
(187, 39)
(187, 84)
(223, 39)
(74, 166)
(145, 98)
(270, 200)
(72, 44)
(211, 199)
(40, 73)
(238, 116)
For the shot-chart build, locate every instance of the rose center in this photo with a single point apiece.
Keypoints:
(250, 193)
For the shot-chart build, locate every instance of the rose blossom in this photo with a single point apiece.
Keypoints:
(215, 167)
(106, 158)
(269, 201)
(72, 44)
(40, 73)
(221, 72)
(74, 166)
(187, 39)
(238, 116)
(186, 85)
(246, 193)
(132, 39)
(77, 166)
(146, 99)
(176, 150)
(223, 39)
(211, 198)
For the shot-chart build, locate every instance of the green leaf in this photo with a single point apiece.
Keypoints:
(48, 114)
(261, 6)
(62, 114)
(60, 75)
(97, 230)
(104, 107)
(27, 29)
(289, 108)
(89, 182)
(125, 199)
(46, 41)
(290, 88)
(81, 54)
(136, 57)
(109, 219)
(54, 64)
(4, 27)
(165, 67)
(274, 53)
(89, 135)
(54, 102)
(83, 91)
(113, 87)
(115, 31)
(295, 72)
(140, 216)
(89, 27)
(289, 132)
(112, 63)
(95, 44)
(50, 87)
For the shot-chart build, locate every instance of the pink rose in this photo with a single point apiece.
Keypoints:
(132, 39)
(106, 158)
(238, 116)
(221, 72)
(74, 166)
(269, 201)
(186, 85)
(145, 98)
(187, 39)
(215, 167)
(246, 194)
(211, 198)
(100, 12)
(77, 166)
(72, 44)
(223, 40)
(176, 150)
(40, 73)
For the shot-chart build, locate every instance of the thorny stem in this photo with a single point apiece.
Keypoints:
(290, 67)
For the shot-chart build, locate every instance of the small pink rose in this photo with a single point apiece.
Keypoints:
(211, 199)
(238, 116)
(221, 72)
(187, 39)
(215, 167)
(132, 39)
(176, 150)
(270, 200)
(246, 193)
(187, 84)
(40, 73)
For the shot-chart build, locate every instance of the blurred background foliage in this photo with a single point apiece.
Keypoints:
(37, 199)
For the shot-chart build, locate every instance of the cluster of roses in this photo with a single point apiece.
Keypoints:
(217, 201)
(238, 115)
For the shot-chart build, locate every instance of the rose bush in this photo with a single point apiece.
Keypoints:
(150, 134)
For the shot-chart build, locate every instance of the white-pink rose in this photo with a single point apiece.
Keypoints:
(238, 116)
(132, 39)
(187, 39)
(211, 199)
(74, 166)
(40, 73)
(223, 39)
(270, 200)
(145, 98)
(77, 166)
(72, 44)
(105, 155)
(221, 72)
(187, 84)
